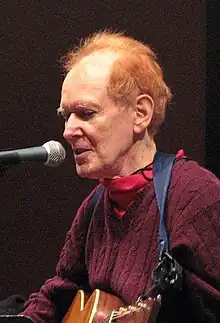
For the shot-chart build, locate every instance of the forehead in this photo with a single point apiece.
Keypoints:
(89, 77)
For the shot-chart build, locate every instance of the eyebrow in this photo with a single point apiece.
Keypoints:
(77, 104)
(60, 110)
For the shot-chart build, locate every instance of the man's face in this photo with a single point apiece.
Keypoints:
(99, 132)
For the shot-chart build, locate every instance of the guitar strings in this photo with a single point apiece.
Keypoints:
(117, 314)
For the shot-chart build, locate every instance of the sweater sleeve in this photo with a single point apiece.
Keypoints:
(54, 298)
(195, 243)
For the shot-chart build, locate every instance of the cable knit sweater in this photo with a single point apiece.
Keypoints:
(118, 254)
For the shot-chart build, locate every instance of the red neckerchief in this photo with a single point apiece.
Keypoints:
(123, 190)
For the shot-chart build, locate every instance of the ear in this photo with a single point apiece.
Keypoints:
(143, 113)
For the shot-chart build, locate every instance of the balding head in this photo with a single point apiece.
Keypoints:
(133, 68)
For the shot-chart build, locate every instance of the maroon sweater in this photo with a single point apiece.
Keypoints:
(118, 254)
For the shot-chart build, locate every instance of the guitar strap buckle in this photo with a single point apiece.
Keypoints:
(168, 273)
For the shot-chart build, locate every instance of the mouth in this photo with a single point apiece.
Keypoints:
(80, 151)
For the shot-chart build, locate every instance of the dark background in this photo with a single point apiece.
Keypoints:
(38, 203)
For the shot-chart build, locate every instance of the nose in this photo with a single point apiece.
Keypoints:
(73, 128)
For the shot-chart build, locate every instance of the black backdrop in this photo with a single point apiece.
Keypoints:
(38, 203)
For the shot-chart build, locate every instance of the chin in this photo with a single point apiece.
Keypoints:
(95, 170)
(86, 172)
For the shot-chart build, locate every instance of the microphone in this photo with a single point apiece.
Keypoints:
(52, 154)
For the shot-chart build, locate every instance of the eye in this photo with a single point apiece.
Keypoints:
(86, 114)
(81, 112)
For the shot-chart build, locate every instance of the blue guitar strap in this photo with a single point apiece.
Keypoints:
(168, 272)
(162, 168)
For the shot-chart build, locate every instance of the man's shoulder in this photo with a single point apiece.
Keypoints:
(93, 196)
(193, 186)
(189, 172)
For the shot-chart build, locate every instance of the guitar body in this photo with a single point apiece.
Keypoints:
(103, 307)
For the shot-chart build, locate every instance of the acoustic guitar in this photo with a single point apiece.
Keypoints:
(102, 307)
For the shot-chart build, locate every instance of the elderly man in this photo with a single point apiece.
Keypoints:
(113, 100)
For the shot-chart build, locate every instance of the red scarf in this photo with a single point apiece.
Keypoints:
(123, 190)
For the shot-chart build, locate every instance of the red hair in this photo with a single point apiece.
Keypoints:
(135, 68)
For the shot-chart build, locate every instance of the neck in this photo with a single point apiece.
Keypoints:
(141, 154)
